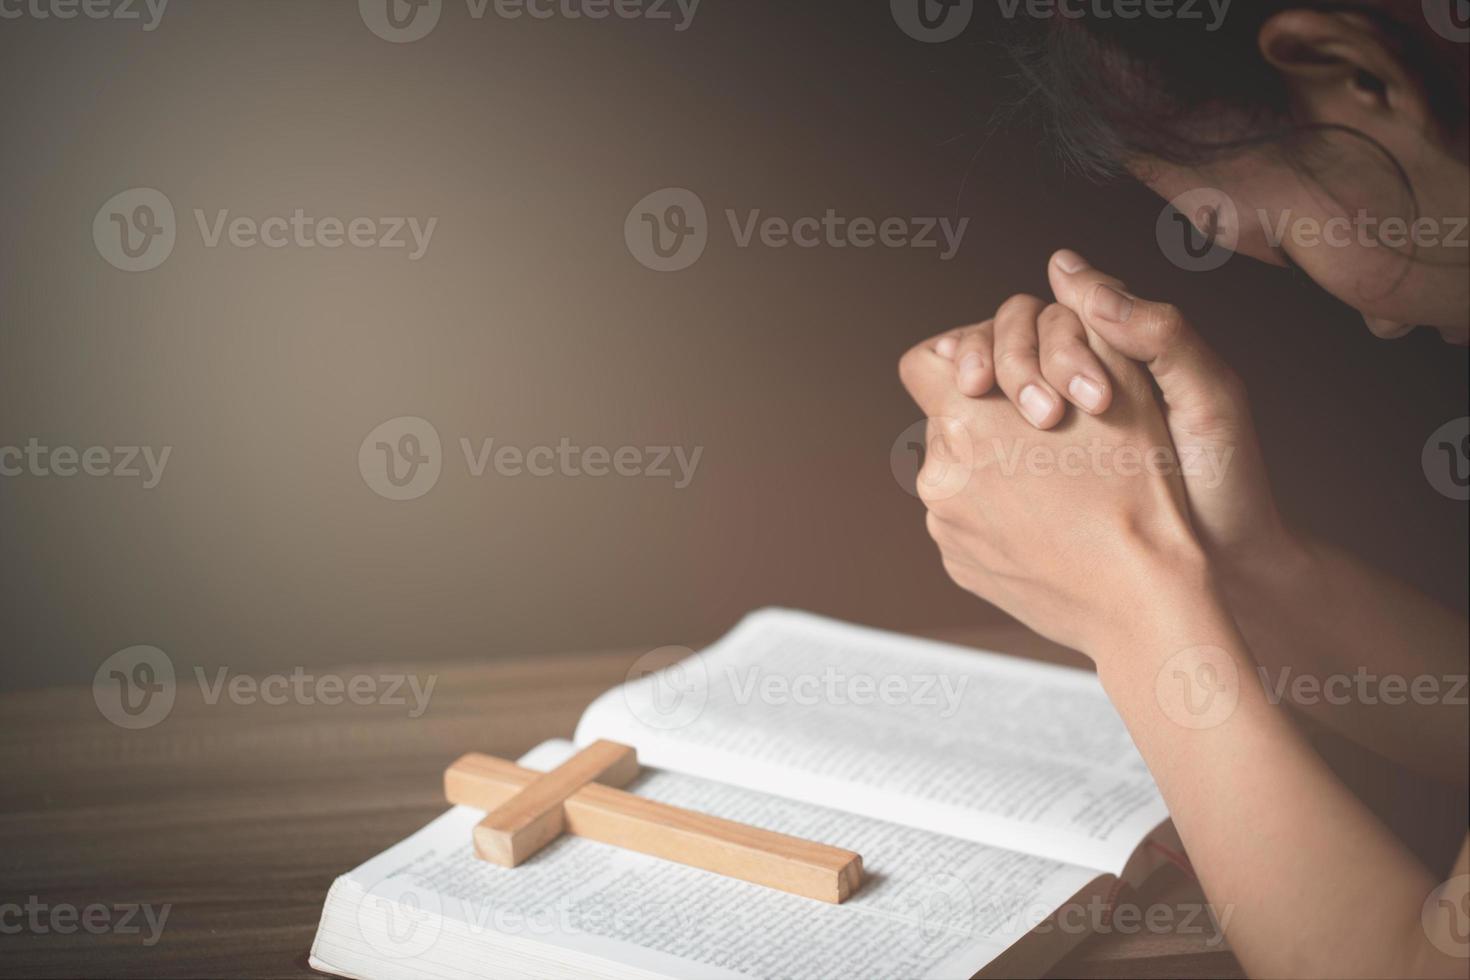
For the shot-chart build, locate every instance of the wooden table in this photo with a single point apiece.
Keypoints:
(239, 816)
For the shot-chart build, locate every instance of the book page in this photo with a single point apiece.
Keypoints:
(989, 748)
(930, 906)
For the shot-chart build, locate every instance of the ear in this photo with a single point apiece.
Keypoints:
(1340, 70)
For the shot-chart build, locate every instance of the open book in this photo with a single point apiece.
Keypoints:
(983, 792)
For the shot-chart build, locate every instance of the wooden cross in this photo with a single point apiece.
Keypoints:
(526, 810)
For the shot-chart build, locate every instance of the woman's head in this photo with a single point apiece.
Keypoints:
(1333, 134)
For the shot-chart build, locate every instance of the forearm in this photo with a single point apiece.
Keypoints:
(1314, 884)
(1358, 652)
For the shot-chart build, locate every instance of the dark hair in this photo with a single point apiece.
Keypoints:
(1186, 91)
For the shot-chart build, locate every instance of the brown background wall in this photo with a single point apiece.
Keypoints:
(528, 321)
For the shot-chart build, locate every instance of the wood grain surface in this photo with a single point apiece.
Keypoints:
(238, 816)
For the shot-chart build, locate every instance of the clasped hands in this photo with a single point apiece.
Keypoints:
(1084, 452)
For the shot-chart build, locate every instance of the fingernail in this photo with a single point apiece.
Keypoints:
(1111, 305)
(1035, 404)
(1069, 261)
(1087, 392)
(970, 370)
(945, 347)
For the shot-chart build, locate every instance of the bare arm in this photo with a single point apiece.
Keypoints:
(1359, 652)
(1109, 560)
(1315, 885)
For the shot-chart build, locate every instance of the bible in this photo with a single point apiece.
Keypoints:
(985, 793)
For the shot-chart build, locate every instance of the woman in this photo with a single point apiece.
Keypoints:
(1178, 576)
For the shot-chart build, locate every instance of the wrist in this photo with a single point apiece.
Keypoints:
(1279, 562)
(1170, 591)
(1192, 638)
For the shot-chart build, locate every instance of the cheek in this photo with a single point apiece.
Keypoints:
(1384, 283)
(1371, 280)
(1272, 210)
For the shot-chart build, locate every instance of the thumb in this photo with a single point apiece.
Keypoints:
(1205, 405)
(1202, 393)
